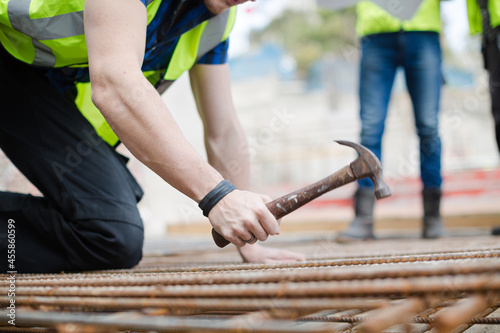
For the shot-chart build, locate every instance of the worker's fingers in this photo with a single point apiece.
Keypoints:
(267, 199)
(267, 220)
(232, 236)
(254, 227)
(241, 214)
(258, 253)
(261, 222)
(253, 215)
(250, 240)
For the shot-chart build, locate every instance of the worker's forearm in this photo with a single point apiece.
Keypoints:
(228, 153)
(225, 140)
(143, 123)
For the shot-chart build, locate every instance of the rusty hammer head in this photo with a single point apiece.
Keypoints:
(368, 165)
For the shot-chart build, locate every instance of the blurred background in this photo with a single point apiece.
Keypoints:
(294, 78)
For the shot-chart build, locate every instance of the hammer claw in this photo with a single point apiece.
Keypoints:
(368, 165)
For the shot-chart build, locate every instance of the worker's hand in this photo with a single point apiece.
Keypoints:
(241, 214)
(259, 254)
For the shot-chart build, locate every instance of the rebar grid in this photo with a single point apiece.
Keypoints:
(318, 263)
(441, 291)
(401, 270)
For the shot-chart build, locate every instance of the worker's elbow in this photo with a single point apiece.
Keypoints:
(222, 130)
(106, 83)
(232, 136)
(114, 91)
(101, 92)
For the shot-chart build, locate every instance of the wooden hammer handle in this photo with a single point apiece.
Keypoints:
(290, 202)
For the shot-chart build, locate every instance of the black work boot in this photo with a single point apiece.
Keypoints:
(433, 224)
(361, 228)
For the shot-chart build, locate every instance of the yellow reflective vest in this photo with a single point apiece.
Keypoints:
(475, 18)
(50, 34)
(372, 19)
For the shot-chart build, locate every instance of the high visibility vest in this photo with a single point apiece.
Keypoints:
(475, 18)
(372, 19)
(50, 33)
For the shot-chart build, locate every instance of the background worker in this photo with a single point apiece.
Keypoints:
(484, 17)
(388, 43)
(88, 218)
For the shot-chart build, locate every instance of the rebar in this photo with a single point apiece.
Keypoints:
(446, 290)
(493, 253)
(461, 313)
(136, 321)
(199, 305)
(486, 282)
(408, 269)
(397, 314)
(419, 320)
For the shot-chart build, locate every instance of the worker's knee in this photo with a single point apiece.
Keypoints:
(110, 245)
(126, 249)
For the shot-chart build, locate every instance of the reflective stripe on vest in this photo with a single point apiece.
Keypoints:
(475, 19)
(195, 43)
(372, 19)
(48, 33)
(191, 47)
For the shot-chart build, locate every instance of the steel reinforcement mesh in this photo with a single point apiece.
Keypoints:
(448, 285)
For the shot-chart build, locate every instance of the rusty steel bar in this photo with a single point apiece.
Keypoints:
(460, 313)
(15, 329)
(466, 326)
(401, 313)
(247, 322)
(136, 321)
(417, 320)
(84, 328)
(423, 329)
(486, 282)
(325, 263)
(276, 292)
(260, 267)
(427, 320)
(254, 277)
(199, 305)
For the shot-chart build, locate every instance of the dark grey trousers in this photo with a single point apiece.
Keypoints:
(491, 53)
(87, 218)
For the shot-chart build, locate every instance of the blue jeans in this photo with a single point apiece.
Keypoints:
(419, 54)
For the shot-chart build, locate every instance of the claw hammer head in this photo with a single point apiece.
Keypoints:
(368, 165)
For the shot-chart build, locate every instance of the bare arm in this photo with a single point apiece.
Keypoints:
(227, 148)
(225, 140)
(115, 33)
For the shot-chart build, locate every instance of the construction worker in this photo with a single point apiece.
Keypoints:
(388, 43)
(87, 218)
(484, 17)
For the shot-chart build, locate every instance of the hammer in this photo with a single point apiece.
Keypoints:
(366, 165)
